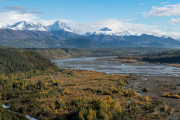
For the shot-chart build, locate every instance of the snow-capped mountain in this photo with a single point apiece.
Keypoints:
(107, 31)
(129, 33)
(60, 33)
(57, 26)
(26, 30)
(3, 25)
(34, 26)
(23, 25)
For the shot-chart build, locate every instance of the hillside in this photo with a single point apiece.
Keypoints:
(44, 39)
(50, 43)
(59, 53)
(17, 65)
(143, 41)
(8, 34)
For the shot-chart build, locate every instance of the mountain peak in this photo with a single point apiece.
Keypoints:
(105, 29)
(36, 26)
(58, 21)
(23, 25)
(58, 25)
(18, 23)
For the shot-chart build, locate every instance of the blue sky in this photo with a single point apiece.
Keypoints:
(144, 16)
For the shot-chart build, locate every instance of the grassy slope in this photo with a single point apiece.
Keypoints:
(50, 43)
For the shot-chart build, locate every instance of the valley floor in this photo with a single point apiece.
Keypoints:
(156, 86)
(80, 94)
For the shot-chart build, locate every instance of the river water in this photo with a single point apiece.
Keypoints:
(9, 108)
(116, 67)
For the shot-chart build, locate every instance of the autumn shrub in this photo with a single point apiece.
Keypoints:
(171, 95)
(145, 89)
(130, 93)
(150, 108)
(22, 109)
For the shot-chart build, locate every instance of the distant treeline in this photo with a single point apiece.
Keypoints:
(164, 57)
(59, 53)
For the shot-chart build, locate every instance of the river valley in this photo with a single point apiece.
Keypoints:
(116, 67)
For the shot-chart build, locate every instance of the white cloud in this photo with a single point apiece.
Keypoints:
(165, 2)
(12, 17)
(174, 20)
(167, 10)
(141, 4)
(126, 20)
(113, 24)
(175, 35)
(20, 9)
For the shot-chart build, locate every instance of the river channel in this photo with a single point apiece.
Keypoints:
(116, 67)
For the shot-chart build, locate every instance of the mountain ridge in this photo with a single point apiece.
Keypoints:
(108, 31)
(61, 35)
(58, 25)
(27, 30)
(37, 26)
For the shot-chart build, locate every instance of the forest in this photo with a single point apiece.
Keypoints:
(164, 57)
(59, 53)
(15, 66)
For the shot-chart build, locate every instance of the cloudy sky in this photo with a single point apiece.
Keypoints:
(143, 16)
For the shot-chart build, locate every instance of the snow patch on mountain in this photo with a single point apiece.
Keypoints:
(58, 25)
(107, 31)
(3, 25)
(23, 25)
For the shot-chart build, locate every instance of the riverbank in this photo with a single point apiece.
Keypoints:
(136, 60)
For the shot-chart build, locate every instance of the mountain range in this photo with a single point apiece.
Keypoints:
(25, 30)
(31, 34)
